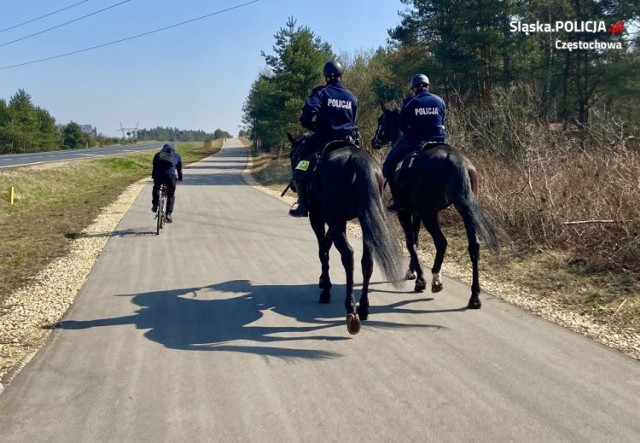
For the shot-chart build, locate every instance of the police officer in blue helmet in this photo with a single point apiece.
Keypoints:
(422, 119)
(167, 167)
(330, 111)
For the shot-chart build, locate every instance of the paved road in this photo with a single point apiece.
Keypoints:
(14, 160)
(211, 332)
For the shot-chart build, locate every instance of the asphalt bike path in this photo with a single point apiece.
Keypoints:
(211, 331)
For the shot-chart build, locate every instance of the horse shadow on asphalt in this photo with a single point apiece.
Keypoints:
(225, 316)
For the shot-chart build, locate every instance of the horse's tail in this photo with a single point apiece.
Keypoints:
(486, 228)
(376, 231)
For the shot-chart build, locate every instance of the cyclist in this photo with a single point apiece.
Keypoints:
(166, 164)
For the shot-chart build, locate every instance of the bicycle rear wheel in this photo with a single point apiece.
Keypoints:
(160, 215)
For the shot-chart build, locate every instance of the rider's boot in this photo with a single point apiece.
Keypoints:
(301, 210)
(395, 205)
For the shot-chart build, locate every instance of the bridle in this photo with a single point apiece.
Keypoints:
(381, 137)
(377, 141)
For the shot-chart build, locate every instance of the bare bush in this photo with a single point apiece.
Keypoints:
(558, 186)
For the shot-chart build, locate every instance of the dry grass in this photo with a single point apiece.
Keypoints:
(581, 201)
(270, 171)
(574, 220)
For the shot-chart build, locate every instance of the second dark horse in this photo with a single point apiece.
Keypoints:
(348, 185)
(439, 176)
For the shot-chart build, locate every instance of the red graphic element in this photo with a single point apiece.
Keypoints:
(617, 28)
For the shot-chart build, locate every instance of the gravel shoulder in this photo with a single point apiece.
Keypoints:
(27, 315)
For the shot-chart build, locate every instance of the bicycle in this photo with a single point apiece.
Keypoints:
(161, 213)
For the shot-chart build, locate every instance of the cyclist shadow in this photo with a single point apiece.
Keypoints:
(224, 316)
(132, 232)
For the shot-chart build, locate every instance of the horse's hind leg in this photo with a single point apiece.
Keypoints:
(339, 237)
(412, 272)
(367, 271)
(324, 244)
(474, 255)
(440, 242)
(410, 236)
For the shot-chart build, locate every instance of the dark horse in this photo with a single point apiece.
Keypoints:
(347, 185)
(439, 176)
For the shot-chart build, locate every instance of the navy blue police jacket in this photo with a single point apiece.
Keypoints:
(159, 170)
(335, 110)
(422, 117)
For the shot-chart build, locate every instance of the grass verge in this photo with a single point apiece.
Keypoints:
(56, 201)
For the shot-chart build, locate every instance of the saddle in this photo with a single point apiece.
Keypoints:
(403, 168)
(310, 164)
(337, 144)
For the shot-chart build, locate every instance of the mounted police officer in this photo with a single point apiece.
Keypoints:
(421, 121)
(330, 111)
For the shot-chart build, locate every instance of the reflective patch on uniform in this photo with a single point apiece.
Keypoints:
(303, 165)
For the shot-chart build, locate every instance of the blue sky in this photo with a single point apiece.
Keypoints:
(194, 76)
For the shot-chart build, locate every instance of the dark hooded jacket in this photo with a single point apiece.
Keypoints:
(161, 168)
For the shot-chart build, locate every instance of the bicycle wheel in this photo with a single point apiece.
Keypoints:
(160, 214)
(158, 220)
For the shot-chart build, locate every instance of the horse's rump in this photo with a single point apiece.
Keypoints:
(460, 160)
(341, 183)
(440, 167)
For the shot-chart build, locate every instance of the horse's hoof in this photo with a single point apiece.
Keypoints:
(363, 313)
(324, 283)
(410, 275)
(436, 287)
(474, 304)
(325, 297)
(353, 324)
(420, 286)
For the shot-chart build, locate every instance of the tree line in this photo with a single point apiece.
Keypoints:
(479, 55)
(180, 135)
(25, 127)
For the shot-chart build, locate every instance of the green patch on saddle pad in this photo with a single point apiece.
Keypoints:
(303, 165)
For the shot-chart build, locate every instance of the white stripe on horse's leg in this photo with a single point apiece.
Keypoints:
(410, 275)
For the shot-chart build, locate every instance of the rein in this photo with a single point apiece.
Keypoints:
(287, 188)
